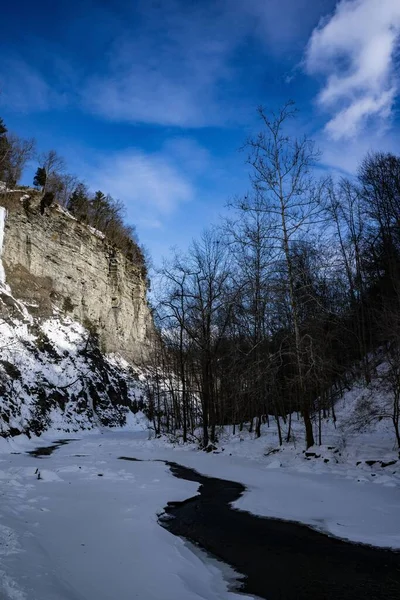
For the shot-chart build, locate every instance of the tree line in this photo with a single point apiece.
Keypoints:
(278, 308)
(98, 210)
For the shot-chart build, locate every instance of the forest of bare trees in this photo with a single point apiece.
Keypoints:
(276, 310)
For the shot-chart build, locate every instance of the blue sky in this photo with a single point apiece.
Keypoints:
(150, 100)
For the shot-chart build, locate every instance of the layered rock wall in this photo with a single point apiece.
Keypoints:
(53, 262)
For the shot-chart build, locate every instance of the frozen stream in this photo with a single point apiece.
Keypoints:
(80, 523)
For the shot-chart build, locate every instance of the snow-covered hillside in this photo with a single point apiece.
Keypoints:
(360, 436)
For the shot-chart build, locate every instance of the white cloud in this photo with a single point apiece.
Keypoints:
(345, 155)
(140, 96)
(23, 88)
(355, 50)
(183, 68)
(151, 186)
(171, 63)
(168, 71)
(281, 24)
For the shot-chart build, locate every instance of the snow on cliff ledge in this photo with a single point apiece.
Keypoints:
(3, 213)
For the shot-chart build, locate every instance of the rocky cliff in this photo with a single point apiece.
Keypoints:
(53, 262)
(71, 307)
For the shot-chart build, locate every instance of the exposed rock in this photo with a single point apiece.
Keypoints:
(388, 464)
(67, 301)
(210, 448)
(52, 374)
(52, 260)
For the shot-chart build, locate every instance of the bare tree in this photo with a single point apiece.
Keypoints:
(20, 151)
(65, 184)
(343, 206)
(173, 326)
(248, 235)
(54, 166)
(201, 305)
(391, 376)
(281, 174)
(15, 152)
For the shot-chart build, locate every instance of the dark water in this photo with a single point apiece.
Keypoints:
(279, 560)
(45, 451)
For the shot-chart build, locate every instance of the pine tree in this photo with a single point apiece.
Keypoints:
(78, 203)
(47, 200)
(99, 210)
(4, 152)
(40, 177)
(3, 128)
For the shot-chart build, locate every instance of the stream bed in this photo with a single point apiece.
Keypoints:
(275, 559)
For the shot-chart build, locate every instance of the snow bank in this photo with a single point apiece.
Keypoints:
(340, 501)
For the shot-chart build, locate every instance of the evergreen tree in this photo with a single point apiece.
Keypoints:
(99, 210)
(40, 177)
(47, 200)
(3, 128)
(4, 152)
(78, 203)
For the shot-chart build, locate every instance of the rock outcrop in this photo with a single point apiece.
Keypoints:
(53, 261)
(54, 376)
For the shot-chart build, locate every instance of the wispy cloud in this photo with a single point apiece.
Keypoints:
(345, 155)
(283, 24)
(170, 63)
(24, 89)
(151, 185)
(355, 50)
(183, 67)
(140, 96)
(168, 71)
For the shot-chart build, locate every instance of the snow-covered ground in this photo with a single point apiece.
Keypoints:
(87, 527)
(337, 500)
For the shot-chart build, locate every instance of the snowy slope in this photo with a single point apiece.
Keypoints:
(358, 440)
(52, 374)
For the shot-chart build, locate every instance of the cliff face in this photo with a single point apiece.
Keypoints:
(53, 261)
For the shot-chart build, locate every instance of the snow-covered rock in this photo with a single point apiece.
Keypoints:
(53, 375)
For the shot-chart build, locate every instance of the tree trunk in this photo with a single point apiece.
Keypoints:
(308, 427)
(258, 426)
(278, 424)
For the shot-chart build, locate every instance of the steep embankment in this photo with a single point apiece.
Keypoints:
(52, 374)
(58, 325)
